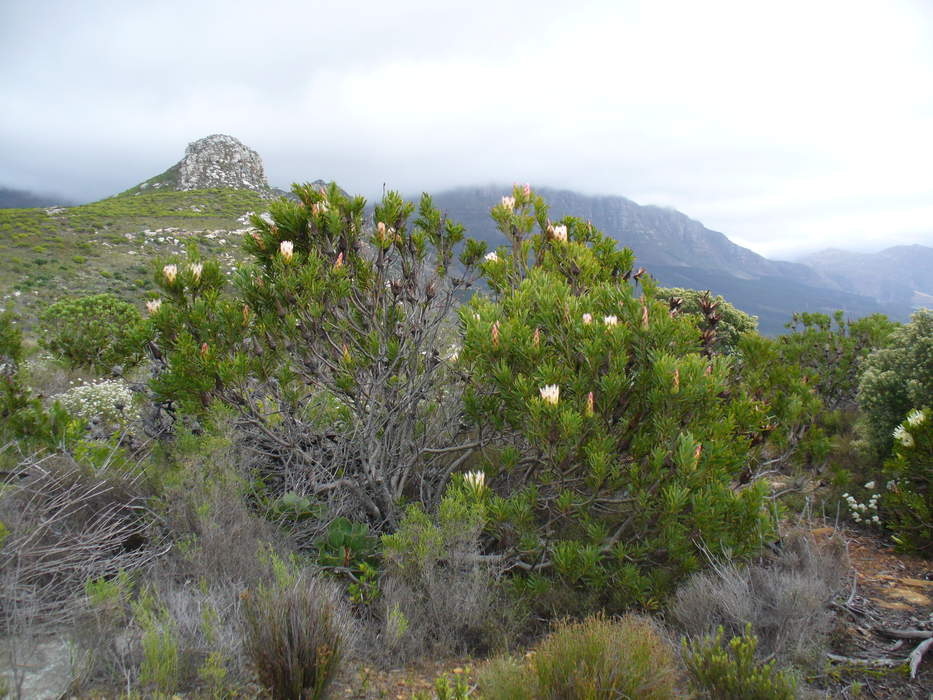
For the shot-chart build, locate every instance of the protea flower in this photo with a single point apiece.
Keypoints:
(550, 394)
(903, 437)
(590, 409)
(915, 418)
(476, 481)
(339, 263)
(153, 306)
(170, 272)
(491, 257)
(587, 319)
(196, 269)
(558, 233)
(508, 203)
(676, 380)
(610, 321)
(536, 338)
(495, 334)
(287, 249)
(527, 190)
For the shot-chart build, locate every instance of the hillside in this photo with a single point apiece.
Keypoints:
(111, 245)
(901, 274)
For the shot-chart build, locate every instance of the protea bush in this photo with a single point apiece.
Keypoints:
(329, 350)
(620, 441)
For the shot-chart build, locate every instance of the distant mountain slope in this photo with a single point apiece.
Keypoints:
(658, 235)
(902, 274)
(21, 199)
(680, 251)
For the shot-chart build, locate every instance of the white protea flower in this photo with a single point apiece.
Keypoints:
(153, 306)
(587, 319)
(610, 321)
(508, 203)
(903, 437)
(475, 480)
(170, 272)
(560, 233)
(915, 418)
(870, 485)
(287, 249)
(196, 269)
(491, 257)
(550, 394)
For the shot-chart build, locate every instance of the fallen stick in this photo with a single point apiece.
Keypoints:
(905, 634)
(916, 656)
(891, 663)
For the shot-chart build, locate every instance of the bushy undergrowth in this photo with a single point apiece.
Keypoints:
(590, 660)
(732, 670)
(785, 598)
(108, 402)
(440, 594)
(295, 638)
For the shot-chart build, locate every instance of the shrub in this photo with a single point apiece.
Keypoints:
(294, 638)
(97, 331)
(833, 357)
(588, 660)
(907, 504)
(896, 379)
(721, 322)
(732, 672)
(785, 599)
(440, 595)
(107, 402)
(334, 312)
(622, 441)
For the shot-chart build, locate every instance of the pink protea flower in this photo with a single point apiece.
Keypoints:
(153, 306)
(339, 263)
(559, 233)
(587, 319)
(495, 334)
(527, 190)
(536, 338)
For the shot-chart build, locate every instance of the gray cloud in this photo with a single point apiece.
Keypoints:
(787, 126)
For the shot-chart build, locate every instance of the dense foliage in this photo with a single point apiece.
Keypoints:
(621, 441)
(98, 331)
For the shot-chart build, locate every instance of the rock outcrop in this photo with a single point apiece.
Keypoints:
(214, 161)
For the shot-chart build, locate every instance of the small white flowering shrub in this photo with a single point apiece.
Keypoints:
(110, 401)
(908, 503)
(864, 513)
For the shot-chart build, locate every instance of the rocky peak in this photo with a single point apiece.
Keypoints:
(213, 161)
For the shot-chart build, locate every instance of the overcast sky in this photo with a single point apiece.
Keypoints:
(788, 125)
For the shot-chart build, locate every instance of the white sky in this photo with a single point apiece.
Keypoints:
(788, 125)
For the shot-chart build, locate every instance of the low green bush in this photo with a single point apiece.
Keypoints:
(590, 660)
(731, 672)
(97, 331)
